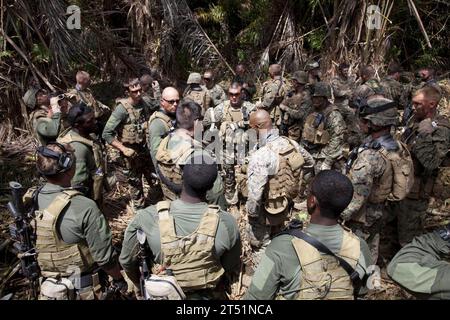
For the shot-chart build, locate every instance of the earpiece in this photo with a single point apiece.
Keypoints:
(65, 159)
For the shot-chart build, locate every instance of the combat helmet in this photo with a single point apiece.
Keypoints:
(311, 65)
(322, 89)
(29, 98)
(300, 76)
(194, 77)
(380, 111)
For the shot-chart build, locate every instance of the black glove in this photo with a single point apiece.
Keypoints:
(120, 285)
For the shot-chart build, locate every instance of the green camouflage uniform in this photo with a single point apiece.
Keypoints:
(395, 91)
(422, 267)
(279, 274)
(186, 217)
(217, 95)
(365, 216)
(295, 108)
(47, 129)
(141, 163)
(273, 92)
(429, 151)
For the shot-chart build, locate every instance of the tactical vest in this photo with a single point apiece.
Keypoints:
(315, 131)
(284, 184)
(322, 278)
(134, 130)
(231, 114)
(198, 97)
(191, 258)
(168, 163)
(97, 175)
(167, 121)
(55, 256)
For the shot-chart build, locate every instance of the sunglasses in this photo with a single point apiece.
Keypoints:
(234, 94)
(172, 101)
(207, 79)
(61, 97)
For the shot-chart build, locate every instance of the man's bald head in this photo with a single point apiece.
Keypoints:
(367, 72)
(275, 70)
(170, 99)
(260, 119)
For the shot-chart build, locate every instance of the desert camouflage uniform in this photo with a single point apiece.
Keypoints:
(263, 164)
(295, 107)
(430, 152)
(273, 92)
(217, 95)
(364, 216)
(199, 95)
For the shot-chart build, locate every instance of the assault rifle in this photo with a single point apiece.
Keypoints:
(23, 236)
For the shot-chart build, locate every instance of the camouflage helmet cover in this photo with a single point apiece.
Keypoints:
(194, 77)
(322, 89)
(311, 65)
(300, 76)
(380, 111)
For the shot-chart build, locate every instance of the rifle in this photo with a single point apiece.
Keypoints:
(407, 114)
(22, 235)
(143, 261)
(351, 158)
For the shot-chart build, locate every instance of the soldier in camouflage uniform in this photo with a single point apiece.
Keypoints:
(324, 129)
(162, 121)
(81, 92)
(422, 266)
(231, 118)
(428, 139)
(247, 84)
(151, 91)
(372, 173)
(368, 87)
(273, 92)
(129, 122)
(313, 69)
(392, 87)
(274, 176)
(215, 91)
(178, 148)
(295, 107)
(197, 93)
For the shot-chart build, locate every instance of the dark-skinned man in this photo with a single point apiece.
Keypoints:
(324, 129)
(231, 117)
(173, 230)
(90, 164)
(293, 268)
(126, 131)
(380, 169)
(178, 147)
(73, 236)
(162, 121)
(273, 181)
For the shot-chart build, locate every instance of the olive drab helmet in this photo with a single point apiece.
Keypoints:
(301, 77)
(29, 98)
(194, 77)
(322, 89)
(380, 111)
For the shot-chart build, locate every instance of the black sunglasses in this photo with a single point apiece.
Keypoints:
(172, 101)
